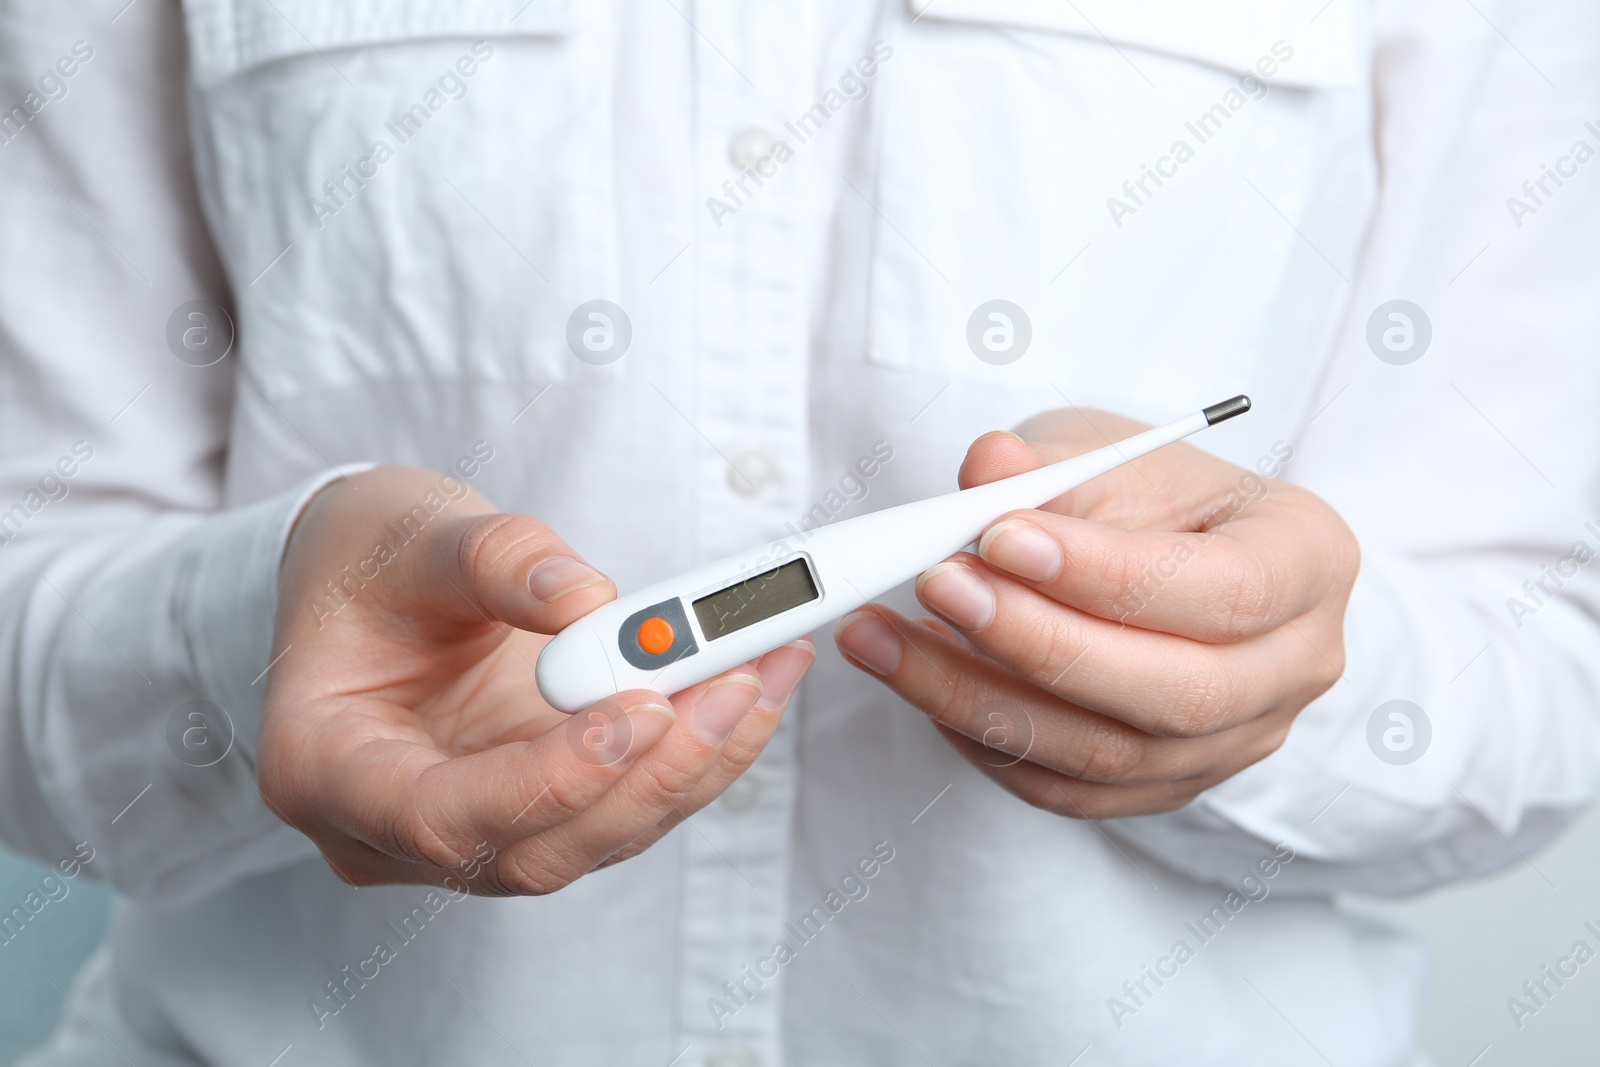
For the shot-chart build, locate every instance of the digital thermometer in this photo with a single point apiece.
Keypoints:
(687, 629)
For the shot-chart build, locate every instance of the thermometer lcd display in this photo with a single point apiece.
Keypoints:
(755, 599)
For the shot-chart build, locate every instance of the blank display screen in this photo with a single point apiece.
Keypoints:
(755, 599)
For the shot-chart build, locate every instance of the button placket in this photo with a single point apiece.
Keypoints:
(750, 407)
(751, 470)
(749, 146)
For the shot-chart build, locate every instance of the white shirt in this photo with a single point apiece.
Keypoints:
(417, 304)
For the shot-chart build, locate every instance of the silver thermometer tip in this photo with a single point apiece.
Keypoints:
(1226, 410)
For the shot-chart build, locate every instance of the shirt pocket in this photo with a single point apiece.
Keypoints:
(419, 190)
(1099, 199)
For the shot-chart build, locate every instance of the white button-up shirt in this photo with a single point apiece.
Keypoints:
(1377, 219)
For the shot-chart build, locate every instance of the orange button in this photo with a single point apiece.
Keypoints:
(655, 635)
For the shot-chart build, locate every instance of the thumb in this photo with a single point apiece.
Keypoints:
(997, 454)
(512, 569)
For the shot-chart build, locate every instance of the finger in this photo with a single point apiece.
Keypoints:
(1124, 496)
(658, 784)
(1252, 572)
(997, 454)
(1155, 682)
(1159, 683)
(510, 569)
(781, 671)
(1015, 721)
(409, 801)
(524, 867)
(359, 864)
(1043, 439)
(1063, 795)
(1175, 488)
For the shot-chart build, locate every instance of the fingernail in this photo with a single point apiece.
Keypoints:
(641, 726)
(963, 598)
(664, 711)
(1023, 549)
(781, 670)
(866, 638)
(726, 702)
(558, 576)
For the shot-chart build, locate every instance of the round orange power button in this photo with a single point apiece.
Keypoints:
(655, 635)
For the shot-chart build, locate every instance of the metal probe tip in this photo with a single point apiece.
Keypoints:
(1226, 410)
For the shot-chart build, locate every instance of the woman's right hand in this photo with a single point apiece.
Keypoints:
(403, 732)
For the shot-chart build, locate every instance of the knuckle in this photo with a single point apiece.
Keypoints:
(666, 783)
(1329, 668)
(488, 540)
(278, 799)
(530, 873)
(280, 777)
(417, 838)
(1111, 755)
(1202, 707)
(1093, 806)
(635, 848)
(1270, 741)
(1042, 652)
(355, 877)
(1042, 791)
(749, 739)
(1341, 553)
(953, 703)
(620, 857)
(1057, 799)
(1156, 804)
(561, 799)
(1247, 604)
(1123, 582)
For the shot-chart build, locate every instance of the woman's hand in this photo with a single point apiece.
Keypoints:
(403, 732)
(1134, 642)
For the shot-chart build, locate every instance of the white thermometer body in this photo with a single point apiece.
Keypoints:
(677, 633)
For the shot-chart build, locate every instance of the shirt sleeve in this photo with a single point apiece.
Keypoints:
(1469, 476)
(127, 592)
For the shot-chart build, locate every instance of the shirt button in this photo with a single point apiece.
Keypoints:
(733, 1056)
(751, 471)
(749, 145)
(742, 794)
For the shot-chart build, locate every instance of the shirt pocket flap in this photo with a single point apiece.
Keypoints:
(1107, 201)
(228, 37)
(1228, 34)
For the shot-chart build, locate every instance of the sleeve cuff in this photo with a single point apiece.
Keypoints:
(229, 603)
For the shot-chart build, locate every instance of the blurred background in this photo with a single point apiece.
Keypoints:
(49, 949)
(1487, 937)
